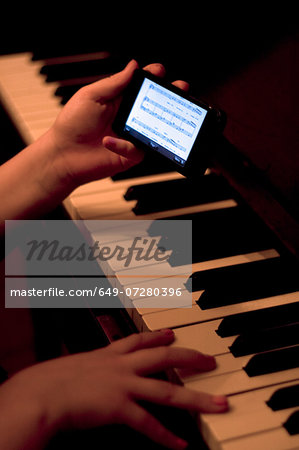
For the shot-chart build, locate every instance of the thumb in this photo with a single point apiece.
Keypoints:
(123, 148)
(110, 87)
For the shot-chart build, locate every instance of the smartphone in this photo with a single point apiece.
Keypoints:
(161, 118)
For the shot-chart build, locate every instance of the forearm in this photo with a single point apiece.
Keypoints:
(71, 153)
(30, 183)
(24, 422)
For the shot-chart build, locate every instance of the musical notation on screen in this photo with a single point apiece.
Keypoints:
(159, 135)
(166, 118)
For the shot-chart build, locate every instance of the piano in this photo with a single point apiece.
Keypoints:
(244, 282)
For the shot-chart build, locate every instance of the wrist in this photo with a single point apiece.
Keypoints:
(33, 182)
(52, 177)
(26, 420)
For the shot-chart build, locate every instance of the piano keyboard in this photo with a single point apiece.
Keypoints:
(250, 327)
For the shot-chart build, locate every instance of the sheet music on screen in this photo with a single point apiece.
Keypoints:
(166, 121)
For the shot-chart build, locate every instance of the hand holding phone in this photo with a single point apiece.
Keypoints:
(157, 116)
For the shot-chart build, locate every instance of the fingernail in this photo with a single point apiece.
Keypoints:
(210, 357)
(220, 400)
(211, 361)
(110, 141)
(133, 61)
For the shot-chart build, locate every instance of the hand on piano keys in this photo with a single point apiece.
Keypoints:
(103, 387)
(245, 312)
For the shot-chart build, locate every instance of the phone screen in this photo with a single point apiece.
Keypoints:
(165, 121)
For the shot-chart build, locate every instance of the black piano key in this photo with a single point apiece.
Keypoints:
(256, 320)
(292, 423)
(162, 187)
(58, 72)
(147, 206)
(239, 273)
(69, 87)
(245, 282)
(232, 219)
(273, 361)
(63, 90)
(66, 92)
(217, 296)
(265, 340)
(259, 278)
(208, 188)
(66, 48)
(176, 194)
(221, 233)
(287, 397)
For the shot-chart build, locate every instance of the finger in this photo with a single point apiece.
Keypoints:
(159, 70)
(143, 422)
(145, 340)
(169, 394)
(156, 69)
(162, 358)
(123, 148)
(181, 85)
(110, 87)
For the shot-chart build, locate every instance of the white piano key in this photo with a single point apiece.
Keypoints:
(36, 105)
(76, 58)
(238, 381)
(15, 114)
(90, 202)
(152, 271)
(116, 264)
(98, 186)
(29, 82)
(43, 123)
(21, 98)
(226, 364)
(166, 268)
(277, 439)
(15, 63)
(202, 337)
(162, 301)
(105, 184)
(115, 231)
(102, 188)
(99, 206)
(248, 413)
(141, 306)
(33, 114)
(93, 188)
(128, 277)
(175, 318)
(183, 299)
(92, 209)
